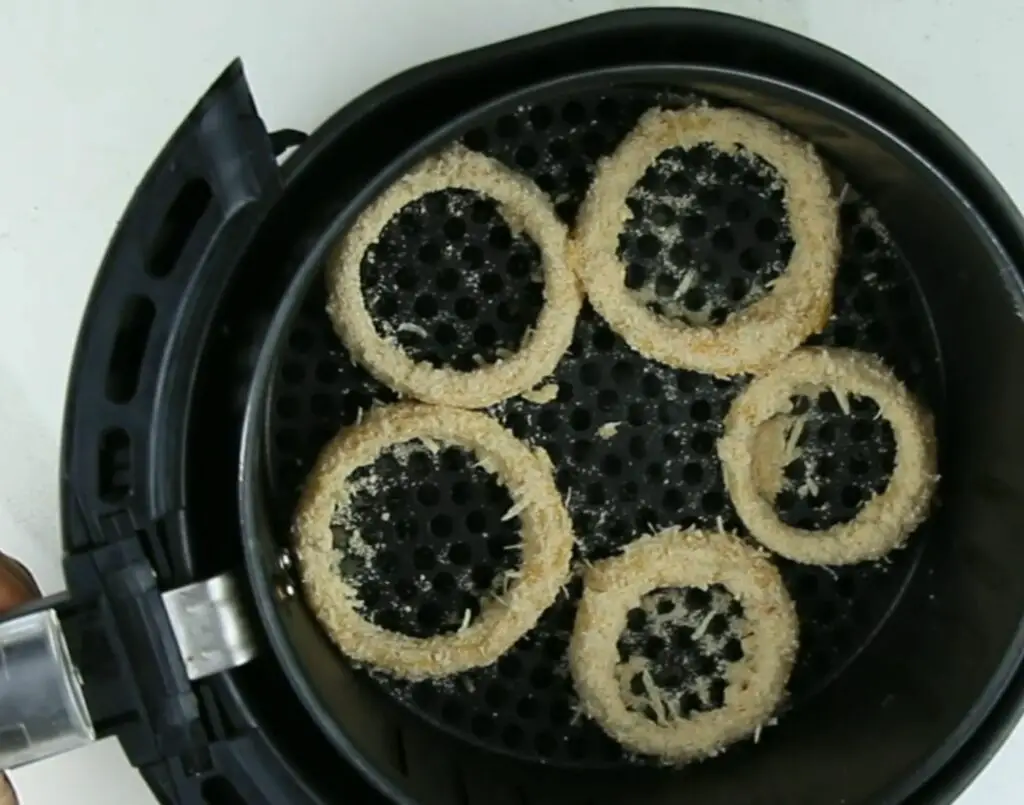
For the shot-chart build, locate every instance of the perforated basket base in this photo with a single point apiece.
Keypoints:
(632, 441)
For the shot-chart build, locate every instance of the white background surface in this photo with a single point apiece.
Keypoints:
(89, 92)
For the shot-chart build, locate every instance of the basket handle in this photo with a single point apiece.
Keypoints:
(69, 668)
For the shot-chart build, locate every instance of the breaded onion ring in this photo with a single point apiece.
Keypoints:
(885, 521)
(674, 558)
(547, 541)
(525, 208)
(754, 338)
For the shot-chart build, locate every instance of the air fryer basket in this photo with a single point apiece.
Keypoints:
(474, 288)
(908, 297)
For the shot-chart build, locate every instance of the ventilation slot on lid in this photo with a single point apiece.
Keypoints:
(115, 465)
(129, 348)
(182, 217)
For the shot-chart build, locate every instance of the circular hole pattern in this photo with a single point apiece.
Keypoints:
(722, 247)
(463, 331)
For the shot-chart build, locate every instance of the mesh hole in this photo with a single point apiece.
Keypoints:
(541, 118)
(321, 405)
(666, 285)
(723, 240)
(293, 373)
(460, 554)
(693, 474)
(865, 241)
(766, 229)
(466, 308)
(425, 696)
(650, 385)
(845, 335)
(648, 245)
(527, 157)
(423, 558)
(482, 725)
(548, 421)
(623, 373)
(636, 620)
(700, 411)
(513, 736)
(554, 648)
(301, 341)
(674, 500)
(476, 139)
(559, 149)
(603, 340)
(492, 283)
(288, 407)
(482, 577)
(462, 493)
(695, 226)
(387, 562)
(607, 399)
(582, 450)
(862, 430)
(653, 647)
(510, 666)
(590, 374)
(545, 743)
(574, 113)
(694, 299)
(452, 711)
(541, 677)
(507, 126)
(637, 447)
(737, 210)
(441, 526)
(455, 228)
(636, 276)
(476, 521)
(429, 616)
(443, 583)
(593, 144)
(611, 464)
(428, 494)
(528, 707)
(497, 695)
(485, 335)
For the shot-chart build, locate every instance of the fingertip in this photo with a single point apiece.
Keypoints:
(16, 584)
(8, 796)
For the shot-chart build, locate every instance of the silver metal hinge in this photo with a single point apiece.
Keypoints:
(210, 625)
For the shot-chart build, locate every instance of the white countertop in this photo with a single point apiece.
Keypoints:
(91, 91)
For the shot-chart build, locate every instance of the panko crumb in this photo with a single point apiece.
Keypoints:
(541, 394)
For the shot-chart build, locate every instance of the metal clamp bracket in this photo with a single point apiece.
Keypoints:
(210, 626)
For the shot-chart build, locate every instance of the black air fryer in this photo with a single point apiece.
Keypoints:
(207, 377)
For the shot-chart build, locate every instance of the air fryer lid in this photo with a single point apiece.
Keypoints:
(935, 664)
